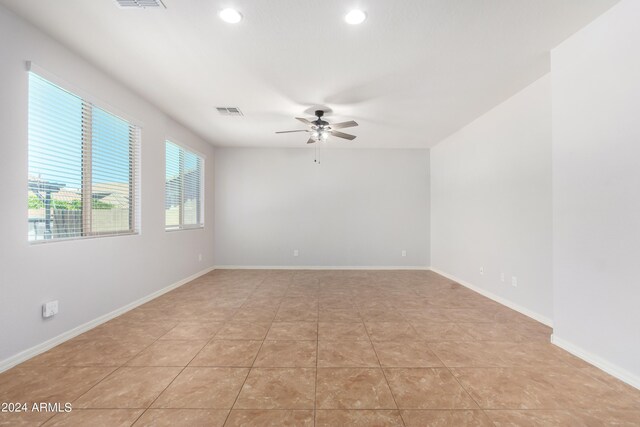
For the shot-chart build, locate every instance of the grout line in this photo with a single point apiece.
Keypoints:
(257, 353)
(315, 384)
(385, 376)
(184, 367)
(124, 364)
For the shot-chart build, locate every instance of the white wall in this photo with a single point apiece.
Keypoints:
(91, 277)
(359, 207)
(491, 201)
(596, 191)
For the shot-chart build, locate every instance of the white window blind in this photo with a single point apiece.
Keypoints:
(83, 167)
(183, 188)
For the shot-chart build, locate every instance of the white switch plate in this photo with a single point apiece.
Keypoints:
(481, 270)
(199, 257)
(404, 253)
(502, 277)
(514, 281)
(295, 252)
(49, 309)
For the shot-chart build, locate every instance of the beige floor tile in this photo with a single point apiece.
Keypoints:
(445, 315)
(492, 331)
(229, 353)
(294, 314)
(413, 418)
(562, 418)
(352, 388)
(381, 315)
(193, 331)
(253, 314)
(293, 331)
(498, 354)
(97, 352)
(391, 331)
(358, 418)
(287, 354)
(406, 354)
(48, 384)
(96, 418)
(203, 388)
(119, 328)
(414, 319)
(440, 331)
(183, 417)
(346, 354)
(427, 388)
(270, 418)
(26, 419)
(339, 315)
(218, 314)
(168, 353)
(548, 387)
(243, 331)
(128, 387)
(334, 331)
(278, 388)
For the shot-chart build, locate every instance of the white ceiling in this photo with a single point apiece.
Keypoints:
(413, 73)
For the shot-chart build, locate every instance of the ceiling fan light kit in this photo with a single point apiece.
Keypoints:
(320, 129)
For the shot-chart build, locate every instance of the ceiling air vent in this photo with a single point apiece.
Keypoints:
(229, 111)
(140, 4)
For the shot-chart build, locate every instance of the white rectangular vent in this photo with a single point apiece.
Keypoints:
(229, 111)
(140, 4)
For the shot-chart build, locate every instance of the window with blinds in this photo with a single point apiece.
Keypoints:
(183, 188)
(83, 167)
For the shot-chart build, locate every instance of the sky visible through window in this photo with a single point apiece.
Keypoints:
(55, 134)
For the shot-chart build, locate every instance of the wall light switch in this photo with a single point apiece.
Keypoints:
(514, 281)
(481, 270)
(404, 253)
(295, 252)
(199, 257)
(50, 309)
(502, 277)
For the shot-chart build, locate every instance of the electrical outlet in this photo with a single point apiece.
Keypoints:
(514, 281)
(502, 277)
(481, 270)
(404, 253)
(50, 309)
(199, 257)
(295, 252)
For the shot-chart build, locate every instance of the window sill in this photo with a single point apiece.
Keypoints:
(184, 228)
(75, 239)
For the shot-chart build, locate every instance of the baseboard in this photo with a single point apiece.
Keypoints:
(597, 361)
(42, 347)
(529, 313)
(319, 267)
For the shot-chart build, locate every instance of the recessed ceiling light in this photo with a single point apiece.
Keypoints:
(355, 17)
(230, 16)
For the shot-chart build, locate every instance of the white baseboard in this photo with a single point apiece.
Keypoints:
(318, 267)
(42, 347)
(529, 313)
(599, 362)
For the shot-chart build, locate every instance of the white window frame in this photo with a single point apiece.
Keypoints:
(203, 160)
(135, 183)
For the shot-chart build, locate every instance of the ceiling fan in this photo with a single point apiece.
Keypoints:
(321, 129)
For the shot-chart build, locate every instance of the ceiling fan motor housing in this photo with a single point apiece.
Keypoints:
(320, 122)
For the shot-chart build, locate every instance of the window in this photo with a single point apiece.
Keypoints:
(183, 188)
(83, 164)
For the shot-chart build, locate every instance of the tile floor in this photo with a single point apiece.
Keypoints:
(323, 348)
